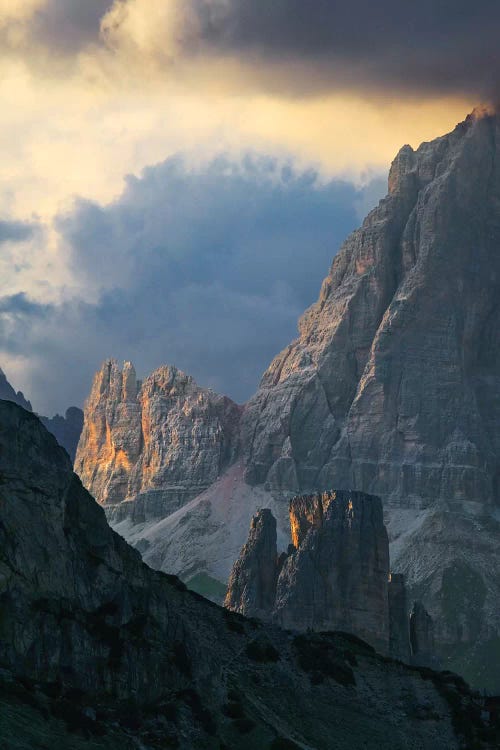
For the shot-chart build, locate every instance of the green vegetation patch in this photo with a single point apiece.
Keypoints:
(208, 587)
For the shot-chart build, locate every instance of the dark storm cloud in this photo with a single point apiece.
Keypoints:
(68, 25)
(434, 46)
(208, 270)
(15, 231)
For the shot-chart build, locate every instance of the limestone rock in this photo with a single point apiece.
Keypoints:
(338, 577)
(387, 388)
(334, 578)
(92, 636)
(158, 443)
(252, 585)
(307, 512)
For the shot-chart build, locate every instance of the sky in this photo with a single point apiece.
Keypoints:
(177, 175)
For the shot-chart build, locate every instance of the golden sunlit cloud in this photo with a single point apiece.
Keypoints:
(18, 10)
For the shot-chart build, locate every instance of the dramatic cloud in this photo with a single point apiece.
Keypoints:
(207, 269)
(431, 46)
(284, 46)
(302, 46)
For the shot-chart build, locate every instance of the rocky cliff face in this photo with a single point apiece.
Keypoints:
(393, 386)
(158, 443)
(334, 577)
(94, 641)
(252, 585)
(421, 634)
(337, 578)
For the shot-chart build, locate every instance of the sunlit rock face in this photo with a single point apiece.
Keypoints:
(158, 443)
(252, 586)
(337, 579)
(393, 386)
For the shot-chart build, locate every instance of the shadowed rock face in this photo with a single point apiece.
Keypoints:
(252, 586)
(393, 386)
(8, 393)
(421, 635)
(92, 635)
(67, 429)
(159, 443)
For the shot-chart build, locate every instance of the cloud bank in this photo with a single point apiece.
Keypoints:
(291, 47)
(433, 46)
(205, 268)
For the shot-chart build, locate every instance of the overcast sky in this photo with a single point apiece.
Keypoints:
(177, 175)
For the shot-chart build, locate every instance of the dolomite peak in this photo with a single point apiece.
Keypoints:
(157, 443)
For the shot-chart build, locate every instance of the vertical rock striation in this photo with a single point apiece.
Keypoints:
(392, 388)
(157, 443)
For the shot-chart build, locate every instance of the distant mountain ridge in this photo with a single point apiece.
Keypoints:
(8, 393)
(67, 429)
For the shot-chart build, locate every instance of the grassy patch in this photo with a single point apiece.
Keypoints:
(208, 587)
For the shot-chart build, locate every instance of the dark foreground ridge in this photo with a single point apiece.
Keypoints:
(98, 650)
